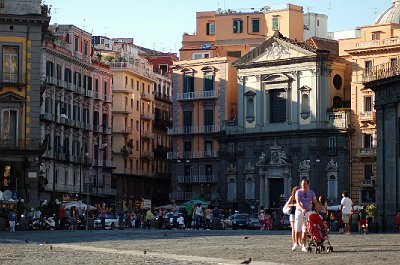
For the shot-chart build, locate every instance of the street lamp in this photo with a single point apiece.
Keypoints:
(100, 148)
(62, 116)
(82, 154)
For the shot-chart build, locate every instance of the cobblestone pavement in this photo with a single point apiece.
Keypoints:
(188, 247)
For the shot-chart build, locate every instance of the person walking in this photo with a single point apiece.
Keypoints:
(103, 215)
(397, 221)
(189, 215)
(305, 198)
(149, 217)
(291, 202)
(62, 215)
(198, 213)
(346, 206)
(323, 210)
(12, 217)
(363, 220)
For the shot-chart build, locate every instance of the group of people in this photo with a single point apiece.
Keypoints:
(303, 202)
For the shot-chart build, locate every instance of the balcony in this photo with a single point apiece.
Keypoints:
(163, 97)
(367, 152)
(79, 90)
(50, 80)
(88, 93)
(197, 179)
(194, 129)
(144, 72)
(197, 95)
(367, 116)
(97, 128)
(106, 130)
(338, 119)
(381, 71)
(87, 127)
(107, 98)
(122, 90)
(146, 116)
(147, 135)
(192, 155)
(98, 96)
(147, 96)
(121, 110)
(231, 127)
(77, 54)
(180, 196)
(109, 163)
(126, 130)
(20, 145)
(47, 117)
(147, 155)
(60, 156)
(367, 183)
(69, 86)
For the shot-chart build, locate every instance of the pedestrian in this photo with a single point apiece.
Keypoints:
(340, 222)
(121, 217)
(11, 219)
(160, 218)
(397, 221)
(189, 215)
(62, 215)
(261, 219)
(291, 202)
(323, 210)
(346, 206)
(363, 220)
(198, 213)
(149, 217)
(103, 215)
(207, 218)
(181, 222)
(72, 219)
(305, 198)
(268, 221)
(175, 211)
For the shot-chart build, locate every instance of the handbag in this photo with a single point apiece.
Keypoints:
(287, 209)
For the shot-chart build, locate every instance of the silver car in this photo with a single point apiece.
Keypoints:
(111, 222)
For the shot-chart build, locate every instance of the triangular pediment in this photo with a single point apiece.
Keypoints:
(11, 97)
(275, 49)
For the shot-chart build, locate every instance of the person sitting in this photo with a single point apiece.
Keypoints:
(397, 219)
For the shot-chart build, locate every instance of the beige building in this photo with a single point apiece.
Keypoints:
(376, 49)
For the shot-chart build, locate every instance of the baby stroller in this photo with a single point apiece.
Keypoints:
(316, 234)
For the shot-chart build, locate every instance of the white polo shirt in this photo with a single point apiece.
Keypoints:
(347, 203)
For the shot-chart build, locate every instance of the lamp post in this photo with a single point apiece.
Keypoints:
(63, 116)
(100, 148)
(83, 154)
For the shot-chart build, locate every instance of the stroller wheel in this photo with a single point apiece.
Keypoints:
(309, 249)
(317, 250)
(322, 248)
(329, 249)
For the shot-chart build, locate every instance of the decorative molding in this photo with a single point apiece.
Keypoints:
(304, 166)
(332, 166)
(249, 168)
(231, 169)
(258, 78)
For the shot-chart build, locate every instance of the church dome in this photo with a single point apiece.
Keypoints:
(391, 15)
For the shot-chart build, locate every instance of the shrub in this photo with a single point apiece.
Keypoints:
(371, 210)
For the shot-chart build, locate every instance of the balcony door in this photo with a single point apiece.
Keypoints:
(9, 127)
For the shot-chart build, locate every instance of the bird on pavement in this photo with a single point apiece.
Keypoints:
(144, 252)
(246, 237)
(26, 241)
(51, 247)
(246, 261)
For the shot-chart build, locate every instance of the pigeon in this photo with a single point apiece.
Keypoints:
(51, 247)
(47, 242)
(246, 261)
(145, 252)
(26, 241)
(246, 237)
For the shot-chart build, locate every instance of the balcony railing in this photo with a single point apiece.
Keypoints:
(381, 71)
(87, 126)
(88, 93)
(147, 116)
(20, 145)
(194, 129)
(147, 154)
(197, 179)
(106, 130)
(338, 119)
(161, 96)
(197, 95)
(147, 135)
(147, 96)
(50, 80)
(107, 98)
(231, 127)
(97, 95)
(122, 110)
(367, 152)
(47, 116)
(368, 183)
(367, 116)
(135, 68)
(192, 155)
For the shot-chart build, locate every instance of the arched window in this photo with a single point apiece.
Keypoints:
(231, 190)
(250, 97)
(337, 102)
(250, 187)
(332, 187)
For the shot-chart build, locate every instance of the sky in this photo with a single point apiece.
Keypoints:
(159, 24)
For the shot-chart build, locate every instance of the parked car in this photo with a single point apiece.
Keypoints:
(240, 220)
(253, 223)
(111, 222)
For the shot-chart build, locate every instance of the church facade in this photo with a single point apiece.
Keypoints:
(291, 124)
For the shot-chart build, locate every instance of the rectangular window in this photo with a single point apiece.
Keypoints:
(209, 170)
(367, 140)
(187, 121)
(255, 25)
(59, 71)
(49, 69)
(368, 65)
(393, 63)
(208, 82)
(85, 48)
(210, 28)
(236, 54)
(96, 85)
(368, 196)
(208, 148)
(367, 172)
(10, 64)
(76, 44)
(332, 142)
(317, 22)
(376, 36)
(237, 26)
(368, 103)
(278, 105)
(9, 126)
(208, 117)
(188, 83)
(163, 68)
(200, 55)
(275, 23)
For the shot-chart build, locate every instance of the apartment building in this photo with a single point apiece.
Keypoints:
(75, 114)
(21, 29)
(205, 90)
(374, 50)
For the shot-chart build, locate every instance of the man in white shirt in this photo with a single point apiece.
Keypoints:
(346, 206)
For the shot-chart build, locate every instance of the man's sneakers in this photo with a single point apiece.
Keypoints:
(294, 246)
(304, 248)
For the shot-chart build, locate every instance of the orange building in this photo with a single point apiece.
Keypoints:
(205, 89)
(377, 49)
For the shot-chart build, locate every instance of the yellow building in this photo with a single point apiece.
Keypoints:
(376, 49)
(20, 83)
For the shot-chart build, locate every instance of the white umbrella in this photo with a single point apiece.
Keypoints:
(79, 205)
